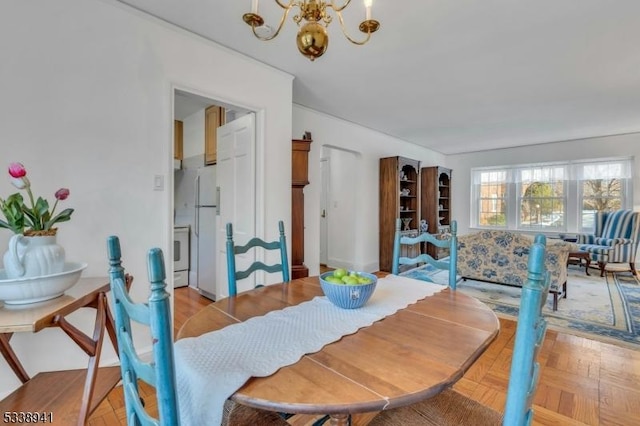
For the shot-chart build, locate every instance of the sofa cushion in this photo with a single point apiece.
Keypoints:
(502, 256)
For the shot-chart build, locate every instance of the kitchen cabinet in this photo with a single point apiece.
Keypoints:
(214, 117)
(299, 179)
(436, 205)
(399, 198)
(178, 139)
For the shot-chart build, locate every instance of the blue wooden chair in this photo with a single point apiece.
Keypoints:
(450, 408)
(232, 251)
(615, 240)
(159, 373)
(155, 314)
(450, 243)
(530, 332)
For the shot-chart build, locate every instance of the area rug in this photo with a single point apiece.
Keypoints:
(600, 308)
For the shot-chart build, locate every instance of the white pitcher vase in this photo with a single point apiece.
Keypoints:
(33, 256)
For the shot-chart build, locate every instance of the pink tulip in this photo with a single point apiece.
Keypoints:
(62, 194)
(37, 217)
(17, 170)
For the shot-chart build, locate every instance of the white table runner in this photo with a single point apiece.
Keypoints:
(211, 367)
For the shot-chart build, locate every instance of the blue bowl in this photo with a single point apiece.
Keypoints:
(348, 296)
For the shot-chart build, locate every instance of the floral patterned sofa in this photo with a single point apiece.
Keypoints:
(501, 257)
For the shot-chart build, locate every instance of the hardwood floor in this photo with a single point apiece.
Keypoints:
(582, 381)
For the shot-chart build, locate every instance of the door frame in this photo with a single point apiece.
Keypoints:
(258, 149)
(325, 172)
(325, 189)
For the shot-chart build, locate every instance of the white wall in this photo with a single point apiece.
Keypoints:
(87, 104)
(359, 184)
(611, 146)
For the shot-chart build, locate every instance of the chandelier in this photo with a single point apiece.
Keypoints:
(312, 38)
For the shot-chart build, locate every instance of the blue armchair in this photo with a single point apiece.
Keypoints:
(615, 239)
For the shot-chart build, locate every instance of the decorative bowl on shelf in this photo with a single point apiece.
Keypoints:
(349, 296)
(20, 291)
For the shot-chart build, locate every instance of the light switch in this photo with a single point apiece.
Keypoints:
(158, 183)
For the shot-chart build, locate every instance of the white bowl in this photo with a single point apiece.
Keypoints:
(20, 291)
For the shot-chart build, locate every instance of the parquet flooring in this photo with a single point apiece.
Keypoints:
(582, 381)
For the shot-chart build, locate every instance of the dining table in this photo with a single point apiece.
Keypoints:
(413, 353)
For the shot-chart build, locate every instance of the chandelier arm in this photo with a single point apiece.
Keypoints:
(346, 34)
(291, 4)
(336, 8)
(284, 17)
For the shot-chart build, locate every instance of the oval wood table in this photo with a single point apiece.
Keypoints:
(409, 356)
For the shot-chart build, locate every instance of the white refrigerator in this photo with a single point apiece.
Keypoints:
(206, 213)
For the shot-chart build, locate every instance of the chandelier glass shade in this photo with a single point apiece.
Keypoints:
(313, 20)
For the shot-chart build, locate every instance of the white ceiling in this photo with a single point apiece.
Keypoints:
(454, 75)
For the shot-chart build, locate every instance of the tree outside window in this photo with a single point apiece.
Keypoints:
(542, 205)
(603, 187)
(599, 195)
(542, 197)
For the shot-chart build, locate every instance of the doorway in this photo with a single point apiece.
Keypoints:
(338, 202)
(198, 186)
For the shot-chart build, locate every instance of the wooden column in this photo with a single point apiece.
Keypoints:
(299, 179)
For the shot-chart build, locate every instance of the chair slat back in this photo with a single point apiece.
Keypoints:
(530, 332)
(156, 314)
(450, 243)
(235, 275)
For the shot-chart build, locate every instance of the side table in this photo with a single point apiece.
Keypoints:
(580, 256)
(63, 397)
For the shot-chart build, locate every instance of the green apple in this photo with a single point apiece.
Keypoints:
(340, 272)
(333, 280)
(350, 280)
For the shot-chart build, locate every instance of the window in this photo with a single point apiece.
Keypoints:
(550, 197)
(541, 199)
(602, 188)
(492, 198)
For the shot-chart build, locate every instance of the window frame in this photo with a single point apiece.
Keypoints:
(572, 199)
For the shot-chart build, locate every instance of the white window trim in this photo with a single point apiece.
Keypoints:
(572, 199)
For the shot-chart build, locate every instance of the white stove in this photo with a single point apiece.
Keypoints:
(181, 256)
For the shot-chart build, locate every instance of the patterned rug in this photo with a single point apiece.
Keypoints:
(605, 309)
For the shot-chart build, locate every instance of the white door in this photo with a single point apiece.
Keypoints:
(237, 183)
